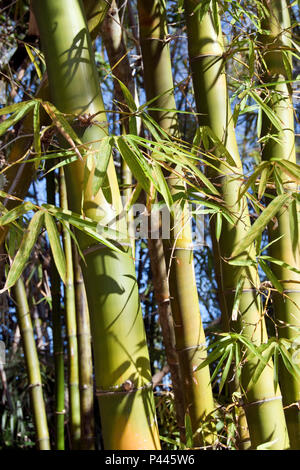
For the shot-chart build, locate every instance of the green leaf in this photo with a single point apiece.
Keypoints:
(162, 185)
(219, 145)
(271, 276)
(280, 263)
(28, 242)
(56, 248)
(252, 179)
(260, 224)
(290, 168)
(263, 182)
(218, 228)
(101, 163)
(226, 369)
(188, 431)
(88, 226)
(139, 169)
(267, 110)
(267, 351)
(16, 212)
(36, 132)
(19, 114)
(34, 61)
(127, 95)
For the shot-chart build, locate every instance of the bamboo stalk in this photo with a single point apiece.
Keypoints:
(286, 249)
(33, 367)
(122, 367)
(58, 349)
(189, 333)
(84, 358)
(20, 175)
(263, 405)
(71, 327)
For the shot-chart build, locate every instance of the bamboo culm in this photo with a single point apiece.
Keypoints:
(264, 411)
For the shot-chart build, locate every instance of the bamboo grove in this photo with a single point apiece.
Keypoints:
(149, 225)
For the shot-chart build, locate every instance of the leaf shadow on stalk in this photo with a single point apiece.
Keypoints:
(75, 55)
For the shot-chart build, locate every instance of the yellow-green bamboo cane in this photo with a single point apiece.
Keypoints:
(33, 367)
(275, 50)
(263, 405)
(71, 326)
(58, 348)
(122, 367)
(189, 333)
(20, 173)
(85, 362)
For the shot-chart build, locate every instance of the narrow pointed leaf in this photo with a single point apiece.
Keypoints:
(260, 224)
(56, 248)
(28, 242)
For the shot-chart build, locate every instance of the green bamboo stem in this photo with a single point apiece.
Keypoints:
(263, 405)
(122, 368)
(286, 305)
(33, 367)
(85, 359)
(189, 333)
(71, 327)
(20, 175)
(58, 349)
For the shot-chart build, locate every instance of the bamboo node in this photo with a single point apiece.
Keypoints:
(259, 402)
(35, 385)
(126, 387)
(62, 412)
(197, 346)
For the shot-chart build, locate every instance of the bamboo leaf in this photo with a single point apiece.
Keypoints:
(219, 145)
(56, 248)
(88, 226)
(162, 186)
(101, 163)
(226, 369)
(16, 212)
(259, 225)
(28, 241)
(290, 168)
(34, 61)
(280, 263)
(218, 225)
(267, 351)
(63, 126)
(261, 167)
(263, 182)
(267, 110)
(17, 116)
(271, 276)
(219, 365)
(127, 95)
(36, 132)
(138, 169)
